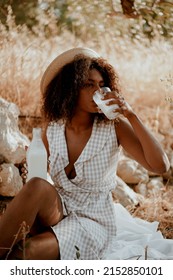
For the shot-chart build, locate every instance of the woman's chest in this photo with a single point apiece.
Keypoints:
(76, 143)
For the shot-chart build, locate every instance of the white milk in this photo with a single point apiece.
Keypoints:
(36, 157)
(107, 110)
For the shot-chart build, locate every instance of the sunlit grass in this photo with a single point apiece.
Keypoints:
(143, 68)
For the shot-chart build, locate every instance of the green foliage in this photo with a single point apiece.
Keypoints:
(24, 11)
(91, 19)
(157, 18)
(57, 10)
(150, 18)
(77, 253)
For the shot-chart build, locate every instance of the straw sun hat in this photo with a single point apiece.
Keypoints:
(56, 65)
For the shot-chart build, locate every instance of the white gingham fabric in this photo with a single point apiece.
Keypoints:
(89, 211)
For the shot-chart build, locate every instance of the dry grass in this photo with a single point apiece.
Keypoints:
(158, 207)
(141, 68)
(147, 80)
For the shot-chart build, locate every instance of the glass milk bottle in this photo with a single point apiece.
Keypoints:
(107, 110)
(36, 157)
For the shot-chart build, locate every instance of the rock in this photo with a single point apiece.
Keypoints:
(141, 188)
(131, 172)
(155, 186)
(125, 195)
(10, 180)
(2, 159)
(12, 141)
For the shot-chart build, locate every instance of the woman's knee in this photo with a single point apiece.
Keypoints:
(44, 197)
(37, 186)
(37, 191)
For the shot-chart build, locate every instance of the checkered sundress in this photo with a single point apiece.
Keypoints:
(89, 226)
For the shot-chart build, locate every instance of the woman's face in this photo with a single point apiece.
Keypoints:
(85, 100)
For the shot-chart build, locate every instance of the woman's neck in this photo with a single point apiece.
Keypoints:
(80, 123)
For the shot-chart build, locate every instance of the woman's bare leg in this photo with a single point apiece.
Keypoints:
(38, 199)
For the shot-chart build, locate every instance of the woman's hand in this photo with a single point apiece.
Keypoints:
(22, 166)
(117, 98)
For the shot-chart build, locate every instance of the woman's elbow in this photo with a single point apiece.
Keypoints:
(163, 166)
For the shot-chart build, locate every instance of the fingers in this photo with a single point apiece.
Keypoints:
(117, 98)
(99, 110)
(125, 108)
(22, 167)
(113, 94)
(24, 174)
(113, 98)
(108, 95)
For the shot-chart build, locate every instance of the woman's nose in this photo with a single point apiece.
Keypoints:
(98, 87)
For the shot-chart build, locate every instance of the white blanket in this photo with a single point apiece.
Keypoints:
(138, 239)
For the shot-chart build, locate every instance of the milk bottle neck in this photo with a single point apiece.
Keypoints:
(37, 134)
(36, 156)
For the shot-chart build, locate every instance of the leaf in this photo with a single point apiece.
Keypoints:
(77, 252)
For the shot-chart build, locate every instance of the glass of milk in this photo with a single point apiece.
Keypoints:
(108, 110)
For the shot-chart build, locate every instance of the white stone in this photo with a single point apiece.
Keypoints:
(12, 141)
(141, 188)
(131, 172)
(125, 195)
(10, 180)
(155, 186)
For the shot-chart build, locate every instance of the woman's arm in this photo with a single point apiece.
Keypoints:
(45, 141)
(136, 138)
(139, 142)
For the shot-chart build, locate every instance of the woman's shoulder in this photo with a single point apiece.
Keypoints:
(54, 128)
(55, 124)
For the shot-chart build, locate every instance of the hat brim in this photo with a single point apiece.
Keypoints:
(56, 65)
